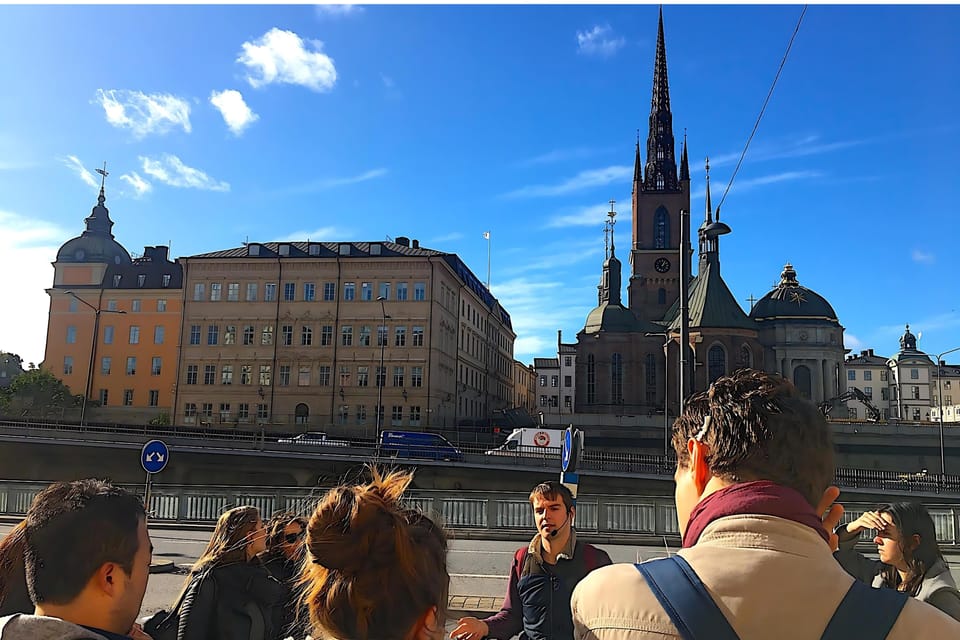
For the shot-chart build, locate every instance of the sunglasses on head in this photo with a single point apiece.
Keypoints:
(293, 537)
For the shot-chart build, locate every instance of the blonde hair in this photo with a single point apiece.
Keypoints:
(375, 568)
(228, 544)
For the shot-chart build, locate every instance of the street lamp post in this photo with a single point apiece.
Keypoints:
(381, 381)
(93, 350)
(666, 389)
(943, 460)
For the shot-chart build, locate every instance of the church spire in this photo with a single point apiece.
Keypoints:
(708, 213)
(660, 173)
(637, 166)
(99, 222)
(611, 278)
(684, 165)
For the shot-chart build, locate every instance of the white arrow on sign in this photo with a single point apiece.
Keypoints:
(154, 456)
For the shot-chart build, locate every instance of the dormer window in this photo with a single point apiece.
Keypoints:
(166, 280)
(375, 249)
(345, 249)
(314, 249)
(253, 249)
(141, 279)
(116, 281)
(284, 250)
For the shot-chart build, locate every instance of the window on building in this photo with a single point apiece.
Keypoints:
(803, 381)
(246, 374)
(158, 332)
(286, 332)
(381, 376)
(266, 334)
(851, 374)
(914, 374)
(364, 340)
(398, 376)
(616, 378)
(543, 401)
(415, 416)
(716, 362)
(230, 334)
(111, 305)
(344, 376)
(306, 336)
(884, 393)
(366, 291)
(329, 291)
(162, 305)
(568, 361)
(71, 334)
(154, 397)
(104, 396)
(108, 334)
(343, 414)
(226, 374)
(190, 412)
(251, 292)
(852, 413)
(381, 335)
(243, 411)
(326, 335)
(233, 292)
(661, 229)
(868, 391)
(289, 291)
(916, 413)
(554, 381)
(106, 363)
(400, 336)
(209, 373)
(419, 291)
(349, 291)
(363, 376)
(416, 376)
(396, 416)
(309, 292)
(324, 377)
(249, 331)
(385, 290)
(265, 374)
(883, 375)
(192, 371)
(361, 414)
(199, 292)
(401, 291)
(73, 305)
(303, 379)
(263, 411)
(131, 365)
(661, 296)
(165, 281)
(568, 381)
(868, 375)
(67, 365)
(543, 381)
(417, 337)
(135, 306)
(128, 397)
(915, 391)
(213, 334)
(156, 365)
(346, 335)
(270, 291)
(215, 291)
(284, 375)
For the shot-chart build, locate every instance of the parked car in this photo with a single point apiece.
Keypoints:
(417, 444)
(314, 439)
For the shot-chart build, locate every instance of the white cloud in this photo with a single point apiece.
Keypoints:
(560, 155)
(170, 170)
(323, 234)
(140, 186)
(583, 180)
(283, 57)
(234, 110)
(922, 257)
(739, 186)
(144, 113)
(74, 163)
(449, 237)
(27, 247)
(329, 183)
(592, 216)
(337, 10)
(851, 341)
(599, 41)
(387, 81)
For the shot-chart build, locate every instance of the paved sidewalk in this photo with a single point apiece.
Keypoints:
(478, 606)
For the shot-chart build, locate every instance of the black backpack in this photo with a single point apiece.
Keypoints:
(164, 625)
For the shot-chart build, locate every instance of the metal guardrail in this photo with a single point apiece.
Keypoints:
(606, 462)
(479, 512)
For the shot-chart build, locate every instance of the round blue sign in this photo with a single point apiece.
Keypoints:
(154, 456)
(567, 448)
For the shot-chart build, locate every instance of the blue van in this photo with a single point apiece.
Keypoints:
(417, 444)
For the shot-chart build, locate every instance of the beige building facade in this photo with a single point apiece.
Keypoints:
(305, 336)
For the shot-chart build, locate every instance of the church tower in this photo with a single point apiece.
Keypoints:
(660, 191)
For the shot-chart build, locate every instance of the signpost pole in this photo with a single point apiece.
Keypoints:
(153, 458)
(146, 494)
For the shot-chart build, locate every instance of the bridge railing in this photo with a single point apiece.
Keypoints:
(482, 513)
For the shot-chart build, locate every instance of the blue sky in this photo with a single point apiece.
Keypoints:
(221, 124)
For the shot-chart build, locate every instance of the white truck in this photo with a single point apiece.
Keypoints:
(532, 441)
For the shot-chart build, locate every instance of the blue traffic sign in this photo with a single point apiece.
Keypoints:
(567, 451)
(154, 456)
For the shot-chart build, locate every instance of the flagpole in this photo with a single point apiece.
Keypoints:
(486, 235)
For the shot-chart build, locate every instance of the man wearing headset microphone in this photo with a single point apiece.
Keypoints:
(544, 572)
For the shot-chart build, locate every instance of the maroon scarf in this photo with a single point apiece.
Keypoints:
(761, 497)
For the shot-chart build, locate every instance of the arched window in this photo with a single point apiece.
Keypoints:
(661, 228)
(616, 379)
(301, 414)
(661, 296)
(650, 391)
(801, 379)
(746, 358)
(716, 363)
(591, 379)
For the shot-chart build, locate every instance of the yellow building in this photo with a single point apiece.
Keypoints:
(114, 323)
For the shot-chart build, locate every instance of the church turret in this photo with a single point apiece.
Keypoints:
(611, 279)
(711, 230)
(684, 165)
(660, 173)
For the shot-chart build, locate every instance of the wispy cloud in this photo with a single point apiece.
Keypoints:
(739, 186)
(337, 10)
(144, 113)
(591, 215)
(330, 183)
(26, 246)
(170, 170)
(450, 237)
(583, 180)
(922, 257)
(560, 155)
(851, 341)
(387, 81)
(323, 234)
(599, 41)
(140, 186)
(234, 110)
(73, 163)
(796, 147)
(283, 57)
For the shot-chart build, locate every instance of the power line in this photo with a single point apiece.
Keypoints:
(763, 108)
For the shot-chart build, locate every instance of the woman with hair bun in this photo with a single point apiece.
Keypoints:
(375, 569)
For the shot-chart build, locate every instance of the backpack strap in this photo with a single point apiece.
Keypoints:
(866, 613)
(683, 596)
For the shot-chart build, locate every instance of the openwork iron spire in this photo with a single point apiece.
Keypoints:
(660, 172)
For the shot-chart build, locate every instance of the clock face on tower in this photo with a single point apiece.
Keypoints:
(662, 265)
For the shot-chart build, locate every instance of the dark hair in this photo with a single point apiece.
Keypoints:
(278, 523)
(374, 567)
(912, 518)
(551, 490)
(760, 428)
(73, 529)
(14, 595)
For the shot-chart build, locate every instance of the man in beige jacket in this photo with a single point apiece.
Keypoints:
(754, 464)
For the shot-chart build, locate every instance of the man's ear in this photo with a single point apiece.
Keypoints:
(699, 469)
(107, 578)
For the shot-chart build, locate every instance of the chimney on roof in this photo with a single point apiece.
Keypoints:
(864, 353)
(870, 351)
(416, 244)
(403, 241)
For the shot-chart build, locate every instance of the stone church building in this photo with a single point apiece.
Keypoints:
(627, 356)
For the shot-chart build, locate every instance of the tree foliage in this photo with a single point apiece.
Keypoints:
(37, 392)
